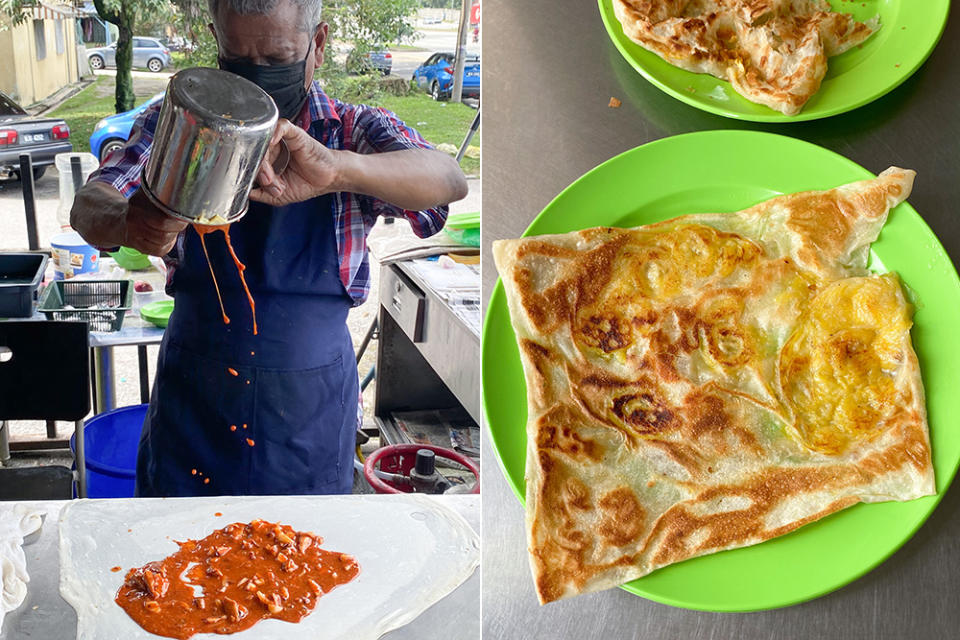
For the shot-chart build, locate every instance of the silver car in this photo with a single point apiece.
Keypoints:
(148, 53)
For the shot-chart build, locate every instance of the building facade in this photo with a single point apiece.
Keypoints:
(39, 56)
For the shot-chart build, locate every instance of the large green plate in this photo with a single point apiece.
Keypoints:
(909, 31)
(727, 171)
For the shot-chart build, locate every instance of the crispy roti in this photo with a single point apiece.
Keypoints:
(711, 382)
(773, 52)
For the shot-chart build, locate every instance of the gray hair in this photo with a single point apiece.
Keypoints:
(309, 9)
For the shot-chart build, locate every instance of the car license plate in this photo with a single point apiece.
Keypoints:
(33, 137)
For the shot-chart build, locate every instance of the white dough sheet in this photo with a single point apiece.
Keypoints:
(412, 552)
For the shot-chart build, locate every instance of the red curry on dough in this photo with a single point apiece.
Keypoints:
(232, 579)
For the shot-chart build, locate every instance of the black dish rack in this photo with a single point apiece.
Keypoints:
(101, 303)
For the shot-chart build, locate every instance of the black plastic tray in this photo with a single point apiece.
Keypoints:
(20, 277)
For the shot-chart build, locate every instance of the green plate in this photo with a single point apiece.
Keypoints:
(131, 259)
(909, 30)
(157, 313)
(679, 175)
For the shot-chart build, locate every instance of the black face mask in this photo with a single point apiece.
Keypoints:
(283, 82)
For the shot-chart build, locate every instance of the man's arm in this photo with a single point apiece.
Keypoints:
(412, 179)
(110, 210)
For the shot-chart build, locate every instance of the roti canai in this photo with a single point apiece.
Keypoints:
(773, 52)
(711, 382)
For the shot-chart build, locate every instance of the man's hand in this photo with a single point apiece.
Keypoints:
(148, 229)
(312, 170)
(105, 218)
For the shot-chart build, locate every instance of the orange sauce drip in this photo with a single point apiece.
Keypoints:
(240, 269)
(203, 231)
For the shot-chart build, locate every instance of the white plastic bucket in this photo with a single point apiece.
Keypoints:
(72, 256)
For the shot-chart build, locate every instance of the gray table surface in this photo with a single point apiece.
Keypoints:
(44, 615)
(549, 71)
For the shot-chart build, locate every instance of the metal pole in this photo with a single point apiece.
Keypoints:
(456, 93)
(77, 173)
(106, 398)
(29, 202)
(466, 141)
(81, 460)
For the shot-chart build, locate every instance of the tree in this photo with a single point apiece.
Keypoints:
(124, 14)
(193, 20)
(16, 11)
(366, 23)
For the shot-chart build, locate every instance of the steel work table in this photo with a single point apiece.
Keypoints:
(551, 125)
(45, 614)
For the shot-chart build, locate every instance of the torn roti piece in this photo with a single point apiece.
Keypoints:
(773, 52)
(711, 382)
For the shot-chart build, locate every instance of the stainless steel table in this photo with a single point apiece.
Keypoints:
(549, 72)
(45, 615)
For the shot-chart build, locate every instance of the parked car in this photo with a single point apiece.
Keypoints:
(43, 138)
(148, 53)
(378, 58)
(435, 76)
(112, 132)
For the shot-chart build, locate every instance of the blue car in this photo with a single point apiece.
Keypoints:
(435, 76)
(112, 132)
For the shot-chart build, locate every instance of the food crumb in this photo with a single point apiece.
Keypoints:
(233, 427)
(650, 484)
(206, 481)
(691, 90)
(193, 471)
(232, 371)
(250, 442)
(897, 65)
(129, 530)
(35, 607)
(244, 425)
(614, 103)
(248, 382)
(254, 353)
(115, 569)
(217, 514)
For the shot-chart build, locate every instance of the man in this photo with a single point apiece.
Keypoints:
(272, 413)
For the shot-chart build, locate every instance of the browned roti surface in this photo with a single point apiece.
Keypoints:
(773, 52)
(711, 382)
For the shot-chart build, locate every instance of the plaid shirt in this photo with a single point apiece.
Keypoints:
(337, 125)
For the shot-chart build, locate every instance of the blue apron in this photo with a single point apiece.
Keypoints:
(286, 422)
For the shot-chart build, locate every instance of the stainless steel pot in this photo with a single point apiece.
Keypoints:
(213, 132)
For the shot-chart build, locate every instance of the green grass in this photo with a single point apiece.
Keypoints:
(83, 111)
(438, 122)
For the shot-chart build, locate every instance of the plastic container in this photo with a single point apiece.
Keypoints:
(88, 163)
(111, 440)
(72, 256)
(131, 259)
(20, 277)
(464, 228)
(101, 303)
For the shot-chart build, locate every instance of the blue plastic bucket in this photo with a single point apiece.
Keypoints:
(111, 440)
(72, 256)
